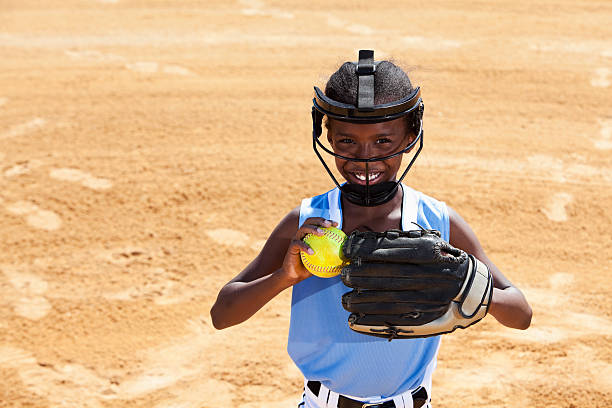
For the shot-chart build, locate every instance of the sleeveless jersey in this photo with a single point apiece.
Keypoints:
(320, 341)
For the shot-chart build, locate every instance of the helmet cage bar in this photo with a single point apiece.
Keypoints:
(368, 201)
(365, 69)
(371, 159)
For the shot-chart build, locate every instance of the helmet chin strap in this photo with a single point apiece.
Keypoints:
(379, 193)
(371, 195)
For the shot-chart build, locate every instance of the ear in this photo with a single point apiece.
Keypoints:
(410, 137)
(328, 128)
(329, 137)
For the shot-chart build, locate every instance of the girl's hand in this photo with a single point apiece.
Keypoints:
(293, 270)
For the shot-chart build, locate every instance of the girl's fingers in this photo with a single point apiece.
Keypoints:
(309, 229)
(315, 222)
(298, 245)
(321, 222)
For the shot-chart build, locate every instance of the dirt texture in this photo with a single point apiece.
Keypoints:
(148, 149)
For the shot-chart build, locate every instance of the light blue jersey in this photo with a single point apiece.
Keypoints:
(324, 347)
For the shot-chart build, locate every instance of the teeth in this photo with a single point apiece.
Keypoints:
(371, 176)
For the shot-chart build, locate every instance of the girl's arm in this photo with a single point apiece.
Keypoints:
(508, 305)
(277, 267)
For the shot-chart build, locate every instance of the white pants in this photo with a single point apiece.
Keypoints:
(329, 399)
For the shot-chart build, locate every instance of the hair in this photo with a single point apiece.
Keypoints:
(391, 83)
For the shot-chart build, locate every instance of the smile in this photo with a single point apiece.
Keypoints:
(372, 176)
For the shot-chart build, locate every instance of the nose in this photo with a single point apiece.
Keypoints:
(363, 151)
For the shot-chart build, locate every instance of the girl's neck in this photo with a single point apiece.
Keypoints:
(379, 218)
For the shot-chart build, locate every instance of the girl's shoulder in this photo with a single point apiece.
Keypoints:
(432, 213)
(326, 205)
(430, 203)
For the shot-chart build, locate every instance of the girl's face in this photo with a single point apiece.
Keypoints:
(364, 141)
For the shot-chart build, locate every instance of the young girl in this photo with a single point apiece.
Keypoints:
(373, 117)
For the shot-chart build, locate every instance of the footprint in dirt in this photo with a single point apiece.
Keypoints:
(546, 326)
(601, 78)
(67, 385)
(24, 293)
(207, 391)
(155, 284)
(605, 141)
(555, 209)
(182, 366)
(231, 237)
(35, 217)
(22, 167)
(489, 378)
(23, 128)
(78, 176)
(46, 219)
(127, 255)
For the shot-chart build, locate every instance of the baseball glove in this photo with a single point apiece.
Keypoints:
(409, 284)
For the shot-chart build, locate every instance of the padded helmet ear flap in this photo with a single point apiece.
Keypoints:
(417, 119)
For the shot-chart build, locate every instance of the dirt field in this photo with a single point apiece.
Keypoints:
(148, 148)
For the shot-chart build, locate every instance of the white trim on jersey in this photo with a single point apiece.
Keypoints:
(335, 208)
(410, 208)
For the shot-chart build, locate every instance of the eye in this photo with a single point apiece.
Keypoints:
(383, 140)
(345, 141)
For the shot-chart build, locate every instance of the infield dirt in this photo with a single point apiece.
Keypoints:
(147, 150)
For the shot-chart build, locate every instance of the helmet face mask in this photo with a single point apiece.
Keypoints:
(366, 112)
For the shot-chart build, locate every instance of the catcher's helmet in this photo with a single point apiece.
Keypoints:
(366, 112)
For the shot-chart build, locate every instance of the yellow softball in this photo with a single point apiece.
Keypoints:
(327, 260)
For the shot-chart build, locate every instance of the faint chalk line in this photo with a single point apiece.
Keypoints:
(94, 55)
(176, 70)
(258, 8)
(569, 45)
(435, 43)
(144, 67)
(151, 67)
(335, 22)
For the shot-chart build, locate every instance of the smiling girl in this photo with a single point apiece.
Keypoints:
(373, 118)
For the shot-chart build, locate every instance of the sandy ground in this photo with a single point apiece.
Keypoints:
(147, 149)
